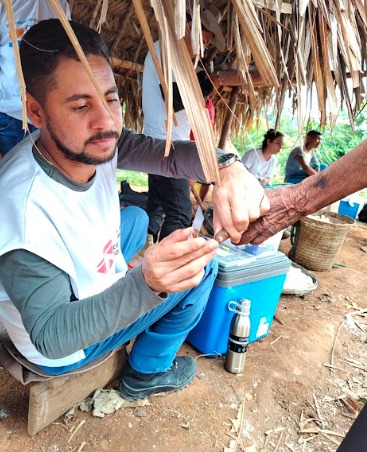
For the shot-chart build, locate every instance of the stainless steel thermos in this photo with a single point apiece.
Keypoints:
(238, 336)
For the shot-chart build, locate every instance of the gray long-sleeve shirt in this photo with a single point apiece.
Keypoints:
(42, 293)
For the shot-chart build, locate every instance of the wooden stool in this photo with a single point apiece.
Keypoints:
(52, 396)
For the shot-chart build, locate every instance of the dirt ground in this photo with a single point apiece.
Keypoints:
(299, 392)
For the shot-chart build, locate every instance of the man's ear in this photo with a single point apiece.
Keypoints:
(35, 111)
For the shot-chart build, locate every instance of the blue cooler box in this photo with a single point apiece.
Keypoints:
(260, 280)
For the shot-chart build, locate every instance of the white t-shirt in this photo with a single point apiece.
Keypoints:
(155, 115)
(26, 13)
(92, 261)
(256, 164)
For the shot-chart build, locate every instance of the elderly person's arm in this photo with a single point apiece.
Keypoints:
(287, 205)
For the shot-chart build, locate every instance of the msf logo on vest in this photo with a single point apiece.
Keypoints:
(109, 252)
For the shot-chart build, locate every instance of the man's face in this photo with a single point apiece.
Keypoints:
(315, 141)
(77, 122)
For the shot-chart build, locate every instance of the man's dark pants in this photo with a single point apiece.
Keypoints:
(169, 205)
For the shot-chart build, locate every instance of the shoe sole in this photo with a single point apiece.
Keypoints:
(148, 393)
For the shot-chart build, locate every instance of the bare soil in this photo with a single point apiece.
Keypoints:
(299, 392)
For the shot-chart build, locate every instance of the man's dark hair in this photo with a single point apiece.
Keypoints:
(314, 134)
(45, 44)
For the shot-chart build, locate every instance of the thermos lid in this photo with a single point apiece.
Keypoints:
(241, 306)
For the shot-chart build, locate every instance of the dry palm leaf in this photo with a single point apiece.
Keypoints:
(103, 15)
(362, 9)
(318, 57)
(353, 48)
(251, 28)
(190, 91)
(196, 32)
(285, 8)
(167, 89)
(328, 78)
(280, 35)
(14, 40)
(180, 18)
(302, 7)
(165, 49)
(95, 13)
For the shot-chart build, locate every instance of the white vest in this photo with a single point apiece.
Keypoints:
(79, 232)
(26, 14)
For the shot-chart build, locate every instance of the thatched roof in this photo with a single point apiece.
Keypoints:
(310, 51)
(292, 44)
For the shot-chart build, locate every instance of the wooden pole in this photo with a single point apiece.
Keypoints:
(229, 119)
(129, 65)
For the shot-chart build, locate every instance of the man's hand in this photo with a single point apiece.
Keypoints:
(287, 205)
(237, 200)
(176, 263)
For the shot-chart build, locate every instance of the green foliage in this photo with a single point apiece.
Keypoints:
(133, 177)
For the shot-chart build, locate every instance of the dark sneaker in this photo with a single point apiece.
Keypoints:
(135, 385)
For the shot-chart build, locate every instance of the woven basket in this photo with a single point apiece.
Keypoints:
(316, 243)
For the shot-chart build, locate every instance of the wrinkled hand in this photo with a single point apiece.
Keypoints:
(176, 263)
(287, 205)
(237, 200)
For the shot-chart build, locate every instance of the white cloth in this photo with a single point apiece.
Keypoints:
(44, 224)
(256, 164)
(155, 115)
(26, 13)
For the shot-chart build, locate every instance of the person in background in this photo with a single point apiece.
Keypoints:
(169, 204)
(66, 297)
(262, 162)
(345, 176)
(26, 13)
(302, 161)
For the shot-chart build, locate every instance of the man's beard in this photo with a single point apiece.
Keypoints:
(82, 156)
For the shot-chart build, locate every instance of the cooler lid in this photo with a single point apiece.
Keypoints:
(260, 268)
(231, 280)
(238, 260)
